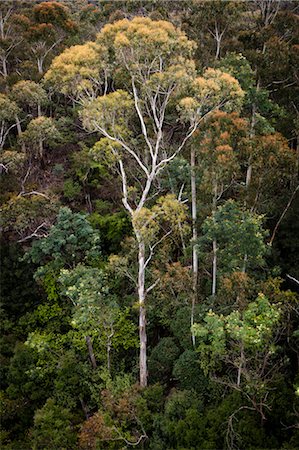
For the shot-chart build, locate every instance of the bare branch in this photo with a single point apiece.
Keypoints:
(292, 278)
(124, 145)
(24, 194)
(152, 286)
(124, 187)
(35, 233)
(282, 215)
(142, 123)
(133, 444)
(152, 248)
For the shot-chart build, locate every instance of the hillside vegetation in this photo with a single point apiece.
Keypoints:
(150, 233)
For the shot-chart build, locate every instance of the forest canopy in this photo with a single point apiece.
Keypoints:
(149, 224)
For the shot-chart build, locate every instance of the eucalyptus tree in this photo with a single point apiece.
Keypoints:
(8, 113)
(29, 95)
(146, 82)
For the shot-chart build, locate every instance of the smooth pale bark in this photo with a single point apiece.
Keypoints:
(4, 68)
(217, 35)
(109, 344)
(194, 240)
(39, 110)
(214, 271)
(245, 259)
(40, 63)
(214, 245)
(142, 313)
(19, 129)
(90, 352)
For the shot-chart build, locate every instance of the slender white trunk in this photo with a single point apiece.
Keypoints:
(248, 175)
(245, 263)
(214, 271)
(194, 239)
(39, 110)
(214, 264)
(109, 343)
(142, 313)
(19, 129)
(40, 63)
(4, 68)
(218, 44)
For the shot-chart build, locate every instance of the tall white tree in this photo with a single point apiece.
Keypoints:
(150, 64)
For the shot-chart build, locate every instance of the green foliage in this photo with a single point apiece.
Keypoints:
(21, 215)
(241, 86)
(186, 370)
(27, 93)
(41, 130)
(87, 289)
(71, 189)
(112, 228)
(238, 232)
(161, 360)
(239, 67)
(70, 240)
(96, 311)
(8, 108)
(227, 336)
(266, 110)
(53, 427)
(112, 112)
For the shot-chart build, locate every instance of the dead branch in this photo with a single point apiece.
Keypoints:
(282, 215)
(35, 233)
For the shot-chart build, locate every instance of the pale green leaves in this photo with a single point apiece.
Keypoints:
(41, 129)
(238, 232)
(29, 93)
(87, 288)
(222, 337)
(8, 109)
(109, 114)
(95, 311)
(168, 211)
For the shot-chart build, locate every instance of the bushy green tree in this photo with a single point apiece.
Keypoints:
(70, 240)
(53, 428)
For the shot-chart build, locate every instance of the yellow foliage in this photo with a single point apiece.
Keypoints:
(167, 211)
(78, 69)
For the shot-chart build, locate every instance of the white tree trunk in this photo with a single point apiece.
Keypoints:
(194, 239)
(19, 129)
(218, 44)
(142, 313)
(4, 67)
(39, 110)
(214, 271)
(40, 63)
(214, 264)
